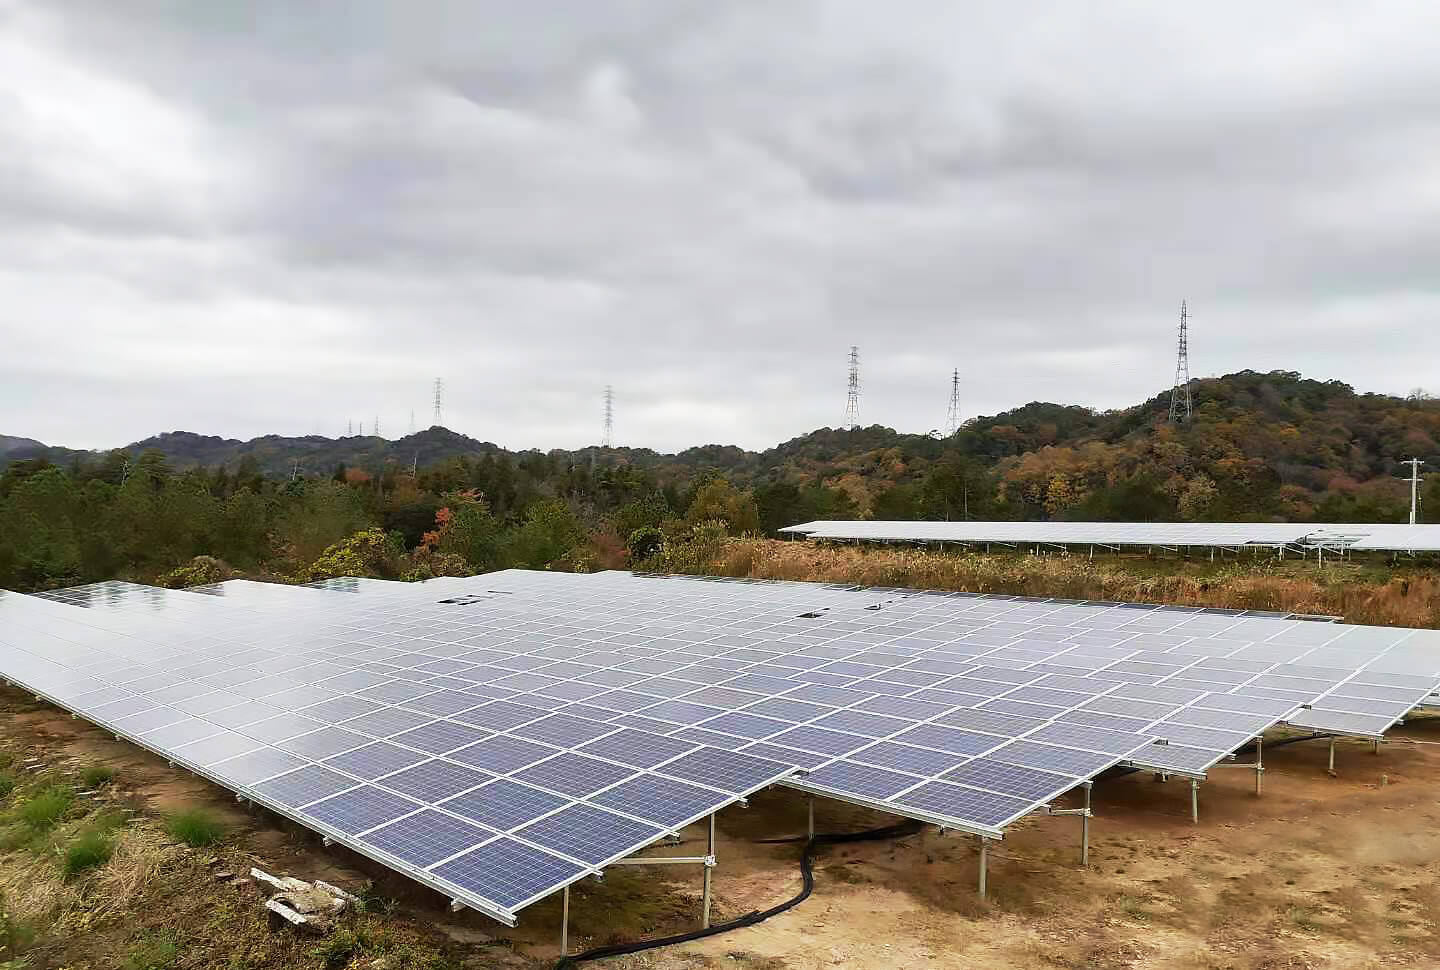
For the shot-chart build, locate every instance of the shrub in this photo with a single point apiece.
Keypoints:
(195, 827)
(46, 808)
(200, 571)
(90, 849)
(7, 784)
(96, 775)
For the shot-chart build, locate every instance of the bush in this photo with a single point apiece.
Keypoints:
(46, 808)
(200, 571)
(645, 543)
(96, 775)
(7, 784)
(90, 849)
(195, 827)
(368, 553)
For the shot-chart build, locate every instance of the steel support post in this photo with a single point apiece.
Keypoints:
(1085, 827)
(565, 922)
(984, 863)
(810, 816)
(1331, 769)
(1259, 764)
(1376, 748)
(1194, 802)
(705, 899)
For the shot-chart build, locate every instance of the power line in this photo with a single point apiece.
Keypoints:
(1180, 403)
(952, 419)
(852, 399)
(609, 439)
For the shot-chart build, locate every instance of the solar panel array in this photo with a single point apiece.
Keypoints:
(1399, 538)
(566, 720)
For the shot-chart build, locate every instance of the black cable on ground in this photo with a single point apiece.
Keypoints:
(807, 874)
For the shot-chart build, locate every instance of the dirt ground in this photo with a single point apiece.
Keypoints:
(1320, 872)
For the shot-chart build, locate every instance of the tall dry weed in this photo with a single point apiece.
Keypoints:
(1411, 599)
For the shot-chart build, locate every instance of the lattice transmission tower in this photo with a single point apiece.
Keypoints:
(1180, 403)
(439, 402)
(852, 399)
(609, 439)
(952, 418)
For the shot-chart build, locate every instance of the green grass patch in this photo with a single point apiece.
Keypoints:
(90, 849)
(154, 953)
(7, 784)
(195, 827)
(15, 936)
(94, 776)
(44, 809)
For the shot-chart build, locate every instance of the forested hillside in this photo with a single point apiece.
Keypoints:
(1261, 446)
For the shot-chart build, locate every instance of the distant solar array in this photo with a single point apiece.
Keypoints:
(1335, 536)
(500, 736)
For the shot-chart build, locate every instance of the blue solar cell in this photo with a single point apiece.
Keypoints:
(500, 715)
(360, 809)
(508, 872)
(745, 725)
(819, 739)
(785, 756)
(949, 739)
(386, 722)
(338, 709)
(433, 780)
(997, 776)
(861, 722)
(574, 774)
(664, 801)
(639, 749)
(728, 771)
(590, 834)
(304, 785)
(426, 837)
(438, 737)
(681, 712)
(374, 759)
(789, 710)
(504, 804)
(563, 730)
(394, 692)
(1049, 757)
(860, 779)
(247, 769)
(502, 754)
(904, 757)
(965, 804)
(443, 702)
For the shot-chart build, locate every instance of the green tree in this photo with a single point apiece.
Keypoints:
(719, 501)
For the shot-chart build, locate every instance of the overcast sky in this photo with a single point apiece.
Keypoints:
(245, 218)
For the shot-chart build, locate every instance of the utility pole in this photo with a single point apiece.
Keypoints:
(439, 400)
(852, 399)
(376, 430)
(412, 420)
(295, 471)
(1414, 464)
(609, 440)
(1180, 403)
(952, 420)
(349, 427)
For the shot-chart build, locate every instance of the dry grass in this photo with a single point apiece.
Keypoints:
(1359, 594)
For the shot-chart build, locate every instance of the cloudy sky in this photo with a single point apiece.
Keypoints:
(239, 219)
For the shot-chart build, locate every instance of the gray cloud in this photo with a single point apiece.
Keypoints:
(240, 219)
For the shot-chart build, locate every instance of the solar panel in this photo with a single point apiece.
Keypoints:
(564, 692)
